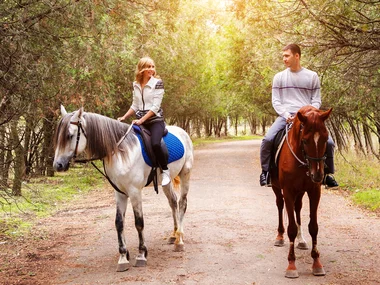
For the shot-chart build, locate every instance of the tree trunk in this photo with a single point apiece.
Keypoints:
(47, 147)
(27, 138)
(18, 160)
(236, 124)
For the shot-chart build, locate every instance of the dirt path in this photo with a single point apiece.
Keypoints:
(230, 230)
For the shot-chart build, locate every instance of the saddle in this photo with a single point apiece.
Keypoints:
(276, 149)
(145, 136)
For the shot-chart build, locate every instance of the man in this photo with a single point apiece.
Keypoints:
(292, 89)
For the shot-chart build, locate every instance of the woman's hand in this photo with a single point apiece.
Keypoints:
(137, 122)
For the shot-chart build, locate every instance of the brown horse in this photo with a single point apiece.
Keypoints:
(300, 170)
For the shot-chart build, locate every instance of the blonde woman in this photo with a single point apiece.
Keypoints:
(148, 91)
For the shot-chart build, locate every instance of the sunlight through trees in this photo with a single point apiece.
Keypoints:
(217, 59)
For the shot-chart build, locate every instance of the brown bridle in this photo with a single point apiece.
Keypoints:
(307, 157)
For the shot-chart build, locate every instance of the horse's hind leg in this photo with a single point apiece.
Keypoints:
(121, 206)
(314, 198)
(172, 199)
(302, 244)
(280, 207)
(185, 185)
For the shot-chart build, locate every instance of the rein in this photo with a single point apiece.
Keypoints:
(305, 155)
(123, 137)
(288, 127)
(80, 127)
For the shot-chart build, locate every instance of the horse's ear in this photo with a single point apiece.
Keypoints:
(301, 117)
(80, 112)
(325, 115)
(63, 111)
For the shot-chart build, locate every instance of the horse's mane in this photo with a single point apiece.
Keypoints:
(103, 134)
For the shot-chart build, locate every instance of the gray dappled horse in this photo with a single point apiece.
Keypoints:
(104, 138)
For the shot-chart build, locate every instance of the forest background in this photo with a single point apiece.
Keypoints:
(216, 58)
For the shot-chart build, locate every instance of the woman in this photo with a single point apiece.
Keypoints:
(148, 91)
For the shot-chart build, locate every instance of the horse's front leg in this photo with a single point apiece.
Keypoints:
(314, 198)
(302, 244)
(141, 258)
(280, 208)
(291, 270)
(121, 207)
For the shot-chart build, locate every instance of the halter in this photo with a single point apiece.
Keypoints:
(305, 155)
(80, 127)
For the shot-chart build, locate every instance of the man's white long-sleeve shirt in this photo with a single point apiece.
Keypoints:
(293, 90)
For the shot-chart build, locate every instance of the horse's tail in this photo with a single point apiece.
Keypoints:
(176, 182)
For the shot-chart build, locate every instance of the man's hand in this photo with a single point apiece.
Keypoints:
(290, 119)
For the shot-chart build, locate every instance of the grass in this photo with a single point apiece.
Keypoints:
(369, 199)
(43, 196)
(360, 177)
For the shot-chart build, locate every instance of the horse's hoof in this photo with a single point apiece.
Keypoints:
(179, 247)
(291, 274)
(319, 271)
(122, 267)
(302, 245)
(171, 240)
(279, 242)
(140, 262)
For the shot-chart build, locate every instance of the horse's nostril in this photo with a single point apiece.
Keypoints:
(58, 166)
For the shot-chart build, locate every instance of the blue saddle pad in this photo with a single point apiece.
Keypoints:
(175, 147)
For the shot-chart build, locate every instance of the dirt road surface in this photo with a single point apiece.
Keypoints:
(230, 228)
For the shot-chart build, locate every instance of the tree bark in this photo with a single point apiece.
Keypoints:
(18, 160)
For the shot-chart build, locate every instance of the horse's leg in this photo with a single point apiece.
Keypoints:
(185, 185)
(172, 199)
(314, 197)
(297, 207)
(141, 258)
(280, 208)
(291, 271)
(121, 206)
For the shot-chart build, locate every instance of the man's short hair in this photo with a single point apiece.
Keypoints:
(294, 48)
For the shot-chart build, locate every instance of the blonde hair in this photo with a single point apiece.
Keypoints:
(142, 66)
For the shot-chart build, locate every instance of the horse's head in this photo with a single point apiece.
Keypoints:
(314, 135)
(69, 139)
